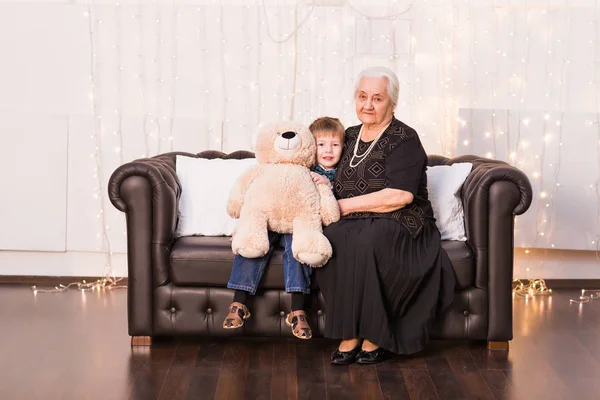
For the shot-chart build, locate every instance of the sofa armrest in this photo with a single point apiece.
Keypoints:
(147, 190)
(493, 193)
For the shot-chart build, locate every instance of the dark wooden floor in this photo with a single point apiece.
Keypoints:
(75, 346)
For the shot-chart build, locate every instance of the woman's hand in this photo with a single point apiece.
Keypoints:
(319, 179)
(381, 201)
(343, 204)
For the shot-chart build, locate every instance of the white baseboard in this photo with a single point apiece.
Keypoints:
(551, 264)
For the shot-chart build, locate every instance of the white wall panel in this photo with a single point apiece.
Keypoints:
(33, 161)
(45, 59)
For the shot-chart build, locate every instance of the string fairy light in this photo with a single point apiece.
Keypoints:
(472, 78)
(278, 109)
(525, 121)
(245, 67)
(440, 98)
(594, 293)
(174, 71)
(537, 287)
(389, 15)
(534, 287)
(119, 77)
(596, 66)
(97, 118)
(158, 79)
(119, 83)
(204, 69)
(108, 281)
(102, 284)
(411, 71)
(225, 96)
(440, 51)
(558, 164)
(321, 46)
(347, 63)
(297, 25)
(494, 133)
(306, 72)
(583, 298)
(259, 99)
(295, 63)
(394, 56)
(452, 119)
(142, 76)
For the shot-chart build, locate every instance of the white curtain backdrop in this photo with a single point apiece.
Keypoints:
(102, 82)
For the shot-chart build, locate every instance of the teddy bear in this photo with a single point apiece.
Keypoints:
(278, 194)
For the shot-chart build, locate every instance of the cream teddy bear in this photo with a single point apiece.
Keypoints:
(278, 194)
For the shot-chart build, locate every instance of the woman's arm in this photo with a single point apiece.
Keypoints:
(382, 201)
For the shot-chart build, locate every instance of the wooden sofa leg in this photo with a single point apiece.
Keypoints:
(498, 345)
(141, 340)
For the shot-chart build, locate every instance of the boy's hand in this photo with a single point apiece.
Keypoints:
(319, 179)
(232, 235)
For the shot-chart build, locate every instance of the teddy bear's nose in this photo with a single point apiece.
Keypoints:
(288, 135)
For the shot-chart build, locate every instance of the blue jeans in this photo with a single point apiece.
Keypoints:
(247, 272)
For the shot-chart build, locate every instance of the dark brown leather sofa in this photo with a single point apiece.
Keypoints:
(178, 287)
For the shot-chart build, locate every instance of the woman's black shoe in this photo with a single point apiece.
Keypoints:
(344, 357)
(371, 357)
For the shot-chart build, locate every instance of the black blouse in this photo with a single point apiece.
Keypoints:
(397, 161)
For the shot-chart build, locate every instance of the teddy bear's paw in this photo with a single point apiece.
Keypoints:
(312, 259)
(233, 210)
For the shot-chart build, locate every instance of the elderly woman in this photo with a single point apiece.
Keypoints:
(388, 277)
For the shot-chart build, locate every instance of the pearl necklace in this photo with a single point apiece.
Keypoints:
(364, 155)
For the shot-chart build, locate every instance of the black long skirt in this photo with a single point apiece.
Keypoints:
(383, 285)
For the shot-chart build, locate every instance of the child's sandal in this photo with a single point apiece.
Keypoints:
(237, 314)
(299, 323)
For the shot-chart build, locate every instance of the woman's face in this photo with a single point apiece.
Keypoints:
(373, 104)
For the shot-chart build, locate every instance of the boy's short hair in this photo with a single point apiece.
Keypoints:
(328, 124)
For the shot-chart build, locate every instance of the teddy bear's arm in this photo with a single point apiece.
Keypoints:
(330, 211)
(238, 191)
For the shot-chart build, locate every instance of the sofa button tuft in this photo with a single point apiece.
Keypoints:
(209, 310)
(282, 313)
(320, 312)
(173, 310)
(465, 313)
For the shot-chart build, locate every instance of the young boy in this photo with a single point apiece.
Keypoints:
(247, 272)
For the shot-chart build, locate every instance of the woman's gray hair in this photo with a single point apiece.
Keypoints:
(393, 86)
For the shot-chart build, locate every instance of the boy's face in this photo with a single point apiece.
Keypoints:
(329, 149)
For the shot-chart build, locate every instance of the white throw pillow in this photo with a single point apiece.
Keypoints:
(444, 183)
(205, 188)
